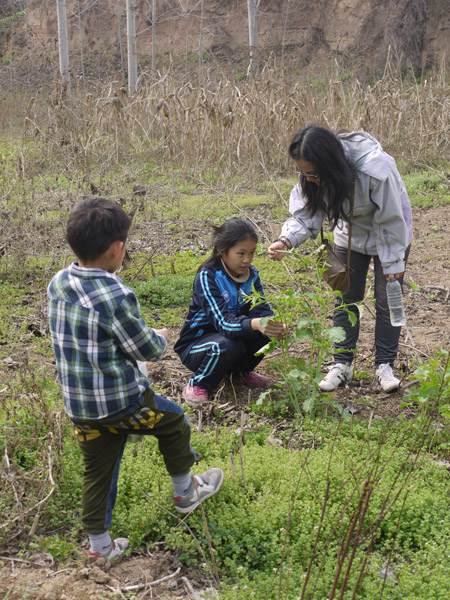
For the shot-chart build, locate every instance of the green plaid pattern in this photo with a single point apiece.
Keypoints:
(98, 335)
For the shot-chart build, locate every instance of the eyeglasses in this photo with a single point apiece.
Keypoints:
(311, 175)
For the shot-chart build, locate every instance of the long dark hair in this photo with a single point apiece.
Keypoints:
(227, 235)
(323, 149)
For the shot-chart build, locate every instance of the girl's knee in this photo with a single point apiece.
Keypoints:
(231, 347)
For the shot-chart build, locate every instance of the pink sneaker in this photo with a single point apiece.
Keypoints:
(196, 396)
(253, 380)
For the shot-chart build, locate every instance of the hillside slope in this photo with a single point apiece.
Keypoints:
(358, 33)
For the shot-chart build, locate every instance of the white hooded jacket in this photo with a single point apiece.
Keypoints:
(382, 220)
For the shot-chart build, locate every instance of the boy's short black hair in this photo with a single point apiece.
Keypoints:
(93, 225)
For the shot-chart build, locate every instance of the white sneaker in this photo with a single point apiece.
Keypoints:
(338, 374)
(385, 377)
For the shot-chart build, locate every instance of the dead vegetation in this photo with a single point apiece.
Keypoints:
(239, 127)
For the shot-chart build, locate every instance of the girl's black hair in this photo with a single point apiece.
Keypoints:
(227, 235)
(323, 149)
(93, 225)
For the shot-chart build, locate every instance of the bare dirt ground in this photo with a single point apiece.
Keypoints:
(155, 573)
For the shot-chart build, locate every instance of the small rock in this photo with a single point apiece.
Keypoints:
(84, 572)
(99, 576)
(42, 557)
(46, 594)
(208, 594)
(273, 441)
(387, 572)
(443, 463)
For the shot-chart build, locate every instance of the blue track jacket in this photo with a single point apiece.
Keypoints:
(219, 306)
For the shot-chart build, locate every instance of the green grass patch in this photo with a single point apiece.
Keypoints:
(15, 310)
(165, 291)
(427, 188)
(213, 208)
(248, 523)
(265, 522)
(164, 317)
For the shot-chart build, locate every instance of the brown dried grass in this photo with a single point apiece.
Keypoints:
(244, 128)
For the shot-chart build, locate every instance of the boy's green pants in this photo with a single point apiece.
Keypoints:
(102, 447)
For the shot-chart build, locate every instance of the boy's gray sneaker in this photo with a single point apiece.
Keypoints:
(338, 374)
(202, 487)
(113, 555)
(386, 378)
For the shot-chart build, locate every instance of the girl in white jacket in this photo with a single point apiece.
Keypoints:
(382, 230)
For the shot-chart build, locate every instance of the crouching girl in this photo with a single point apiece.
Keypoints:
(223, 330)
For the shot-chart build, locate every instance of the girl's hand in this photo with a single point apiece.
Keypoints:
(271, 329)
(273, 250)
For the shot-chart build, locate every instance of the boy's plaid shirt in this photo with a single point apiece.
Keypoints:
(98, 335)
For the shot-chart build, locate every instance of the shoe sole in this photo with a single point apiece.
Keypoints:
(105, 563)
(390, 390)
(196, 403)
(338, 385)
(186, 511)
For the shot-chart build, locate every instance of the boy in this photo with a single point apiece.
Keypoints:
(98, 336)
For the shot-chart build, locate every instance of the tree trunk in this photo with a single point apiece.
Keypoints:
(119, 31)
(253, 36)
(200, 50)
(186, 16)
(81, 39)
(131, 39)
(63, 42)
(154, 37)
(286, 16)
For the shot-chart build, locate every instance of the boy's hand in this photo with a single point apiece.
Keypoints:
(164, 332)
(271, 329)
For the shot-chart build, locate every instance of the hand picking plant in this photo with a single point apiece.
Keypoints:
(299, 377)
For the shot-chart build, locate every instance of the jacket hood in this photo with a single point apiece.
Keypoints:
(366, 154)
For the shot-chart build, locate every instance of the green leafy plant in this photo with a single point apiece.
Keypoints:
(298, 377)
(59, 547)
(432, 389)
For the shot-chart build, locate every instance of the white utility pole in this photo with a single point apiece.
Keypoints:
(63, 41)
(200, 49)
(154, 37)
(131, 38)
(119, 31)
(253, 6)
